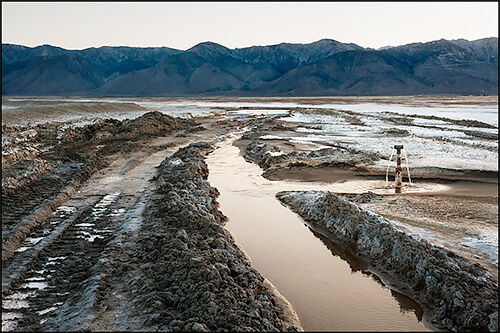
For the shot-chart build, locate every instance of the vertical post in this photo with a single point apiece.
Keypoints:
(398, 177)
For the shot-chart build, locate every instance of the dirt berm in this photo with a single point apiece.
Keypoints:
(454, 292)
(187, 272)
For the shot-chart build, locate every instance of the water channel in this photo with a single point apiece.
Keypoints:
(327, 292)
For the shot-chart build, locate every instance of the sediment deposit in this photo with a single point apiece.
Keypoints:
(457, 294)
(94, 237)
(190, 273)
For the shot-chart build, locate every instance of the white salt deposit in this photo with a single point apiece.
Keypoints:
(36, 278)
(117, 212)
(34, 240)
(486, 241)
(42, 312)
(66, 209)
(22, 249)
(16, 300)
(175, 161)
(35, 285)
(85, 225)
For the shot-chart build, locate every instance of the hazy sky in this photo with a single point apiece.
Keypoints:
(181, 25)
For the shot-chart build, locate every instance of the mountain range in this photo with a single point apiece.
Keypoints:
(323, 68)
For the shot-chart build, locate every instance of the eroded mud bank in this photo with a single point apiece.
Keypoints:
(456, 208)
(457, 294)
(187, 273)
(44, 164)
(92, 242)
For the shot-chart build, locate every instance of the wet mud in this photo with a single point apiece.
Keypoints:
(422, 252)
(60, 159)
(86, 248)
(457, 294)
(462, 208)
(89, 242)
(188, 273)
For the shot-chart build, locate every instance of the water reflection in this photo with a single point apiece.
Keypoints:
(347, 253)
(326, 292)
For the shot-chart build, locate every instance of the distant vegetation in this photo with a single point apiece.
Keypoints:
(325, 67)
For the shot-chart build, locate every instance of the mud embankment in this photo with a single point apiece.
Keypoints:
(188, 273)
(284, 151)
(280, 158)
(43, 165)
(156, 260)
(454, 293)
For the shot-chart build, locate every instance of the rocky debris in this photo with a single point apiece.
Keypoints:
(192, 276)
(457, 294)
(148, 125)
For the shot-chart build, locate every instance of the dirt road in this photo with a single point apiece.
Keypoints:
(72, 221)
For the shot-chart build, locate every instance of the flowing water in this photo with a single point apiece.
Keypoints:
(328, 293)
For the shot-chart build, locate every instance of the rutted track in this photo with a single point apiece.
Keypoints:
(55, 228)
(72, 243)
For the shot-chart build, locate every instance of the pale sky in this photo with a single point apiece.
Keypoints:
(181, 25)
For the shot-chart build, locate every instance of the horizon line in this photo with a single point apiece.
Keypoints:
(269, 45)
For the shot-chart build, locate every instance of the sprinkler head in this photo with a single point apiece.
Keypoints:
(398, 148)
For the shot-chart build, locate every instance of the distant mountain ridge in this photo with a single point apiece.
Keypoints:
(326, 67)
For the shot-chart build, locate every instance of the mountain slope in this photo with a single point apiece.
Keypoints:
(325, 67)
(65, 74)
(349, 73)
(285, 57)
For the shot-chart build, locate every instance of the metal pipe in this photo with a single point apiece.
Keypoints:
(398, 177)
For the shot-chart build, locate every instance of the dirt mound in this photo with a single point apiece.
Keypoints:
(193, 271)
(148, 125)
(193, 277)
(270, 158)
(41, 163)
(456, 293)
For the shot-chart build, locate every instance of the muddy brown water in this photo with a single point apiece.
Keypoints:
(327, 292)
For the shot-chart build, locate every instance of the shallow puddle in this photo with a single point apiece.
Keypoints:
(327, 292)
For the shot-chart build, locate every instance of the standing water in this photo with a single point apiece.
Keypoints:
(327, 292)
